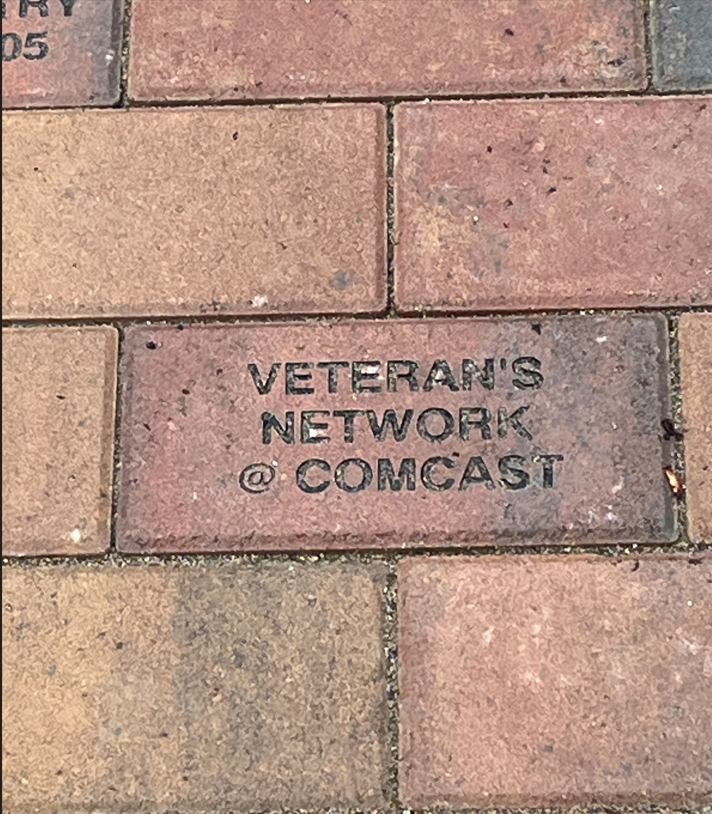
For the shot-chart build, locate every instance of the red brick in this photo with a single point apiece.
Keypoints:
(203, 688)
(193, 423)
(554, 204)
(696, 362)
(544, 681)
(270, 49)
(70, 56)
(191, 211)
(58, 392)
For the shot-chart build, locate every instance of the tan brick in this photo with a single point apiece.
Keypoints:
(61, 52)
(193, 211)
(563, 203)
(267, 49)
(209, 688)
(541, 681)
(58, 394)
(696, 359)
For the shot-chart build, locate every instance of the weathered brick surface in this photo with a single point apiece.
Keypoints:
(682, 44)
(541, 681)
(696, 359)
(221, 49)
(58, 390)
(206, 688)
(194, 211)
(558, 439)
(554, 204)
(60, 52)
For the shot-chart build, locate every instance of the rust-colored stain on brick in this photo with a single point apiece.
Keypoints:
(58, 390)
(208, 688)
(554, 204)
(696, 368)
(549, 681)
(60, 53)
(265, 49)
(194, 211)
(392, 433)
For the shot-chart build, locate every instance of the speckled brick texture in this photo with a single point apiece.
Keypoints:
(682, 44)
(61, 53)
(534, 204)
(58, 393)
(194, 211)
(266, 49)
(695, 334)
(555, 681)
(372, 434)
(205, 688)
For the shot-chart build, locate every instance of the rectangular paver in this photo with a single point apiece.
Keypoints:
(192, 211)
(263, 437)
(267, 49)
(554, 204)
(695, 335)
(193, 689)
(58, 392)
(682, 44)
(554, 681)
(58, 53)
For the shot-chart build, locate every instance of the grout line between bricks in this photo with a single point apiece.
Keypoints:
(390, 646)
(116, 458)
(390, 210)
(678, 445)
(392, 101)
(125, 53)
(362, 556)
(249, 319)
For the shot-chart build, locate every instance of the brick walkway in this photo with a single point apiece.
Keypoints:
(357, 371)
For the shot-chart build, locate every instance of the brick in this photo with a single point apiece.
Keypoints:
(193, 211)
(203, 688)
(520, 205)
(682, 44)
(695, 335)
(58, 390)
(61, 53)
(209, 463)
(271, 49)
(555, 680)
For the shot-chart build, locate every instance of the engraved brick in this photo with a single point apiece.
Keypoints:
(554, 204)
(271, 49)
(60, 53)
(555, 681)
(194, 211)
(696, 362)
(370, 434)
(682, 44)
(205, 688)
(58, 390)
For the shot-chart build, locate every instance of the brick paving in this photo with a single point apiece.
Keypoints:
(356, 385)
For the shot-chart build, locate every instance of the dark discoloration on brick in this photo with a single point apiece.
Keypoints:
(61, 52)
(220, 49)
(554, 204)
(696, 360)
(682, 44)
(210, 463)
(165, 212)
(230, 688)
(58, 395)
(536, 682)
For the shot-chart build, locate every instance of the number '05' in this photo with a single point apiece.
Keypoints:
(34, 46)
